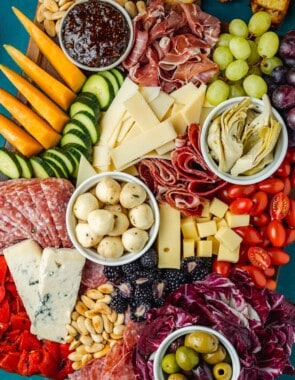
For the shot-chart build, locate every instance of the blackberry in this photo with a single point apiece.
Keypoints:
(174, 278)
(131, 268)
(112, 273)
(196, 268)
(142, 295)
(144, 277)
(119, 303)
(125, 289)
(150, 259)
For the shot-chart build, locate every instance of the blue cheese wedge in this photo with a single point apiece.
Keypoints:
(59, 282)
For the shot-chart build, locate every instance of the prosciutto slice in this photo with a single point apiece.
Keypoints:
(172, 46)
(185, 182)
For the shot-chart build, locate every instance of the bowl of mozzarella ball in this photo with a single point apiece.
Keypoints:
(112, 218)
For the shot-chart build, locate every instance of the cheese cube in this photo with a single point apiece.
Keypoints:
(188, 248)
(202, 219)
(204, 248)
(234, 220)
(206, 212)
(215, 244)
(206, 228)
(228, 237)
(218, 208)
(189, 228)
(225, 254)
(221, 223)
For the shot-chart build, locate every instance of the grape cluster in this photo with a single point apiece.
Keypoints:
(243, 55)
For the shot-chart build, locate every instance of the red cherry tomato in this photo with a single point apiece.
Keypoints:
(271, 185)
(223, 195)
(292, 177)
(221, 267)
(270, 271)
(238, 191)
(276, 233)
(287, 185)
(271, 284)
(249, 235)
(259, 257)
(284, 169)
(278, 256)
(243, 256)
(260, 202)
(241, 206)
(263, 233)
(279, 206)
(290, 236)
(290, 156)
(260, 220)
(290, 218)
(257, 276)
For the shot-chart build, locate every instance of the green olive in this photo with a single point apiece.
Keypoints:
(222, 371)
(215, 357)
(169, 364)
(187, 358)
(177, 376)
(201, 341)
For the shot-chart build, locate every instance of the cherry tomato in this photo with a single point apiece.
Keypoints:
(276, 233)
(292, 177)
(260, 220)
(221, 267)
(278, 256)
(241, 206)
(259, 257)
(290, 156)
(287, 185)
(223, 195)
(284, 169)
(249, 235)
(257, 276)
(270, 271)
(290, 218)
(271, 284)
(271, 185)
(243, 256)
(290, 236)
(279, 206)
(238, 191)
(260, 202)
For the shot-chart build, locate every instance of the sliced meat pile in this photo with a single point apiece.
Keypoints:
(35, 209)
(172, 46)
(185, 182)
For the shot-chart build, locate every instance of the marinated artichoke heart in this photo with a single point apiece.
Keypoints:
(241, 141)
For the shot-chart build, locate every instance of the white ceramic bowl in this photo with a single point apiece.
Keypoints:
(91, 253)
(83, 66)
(279, 152)
(161, 351)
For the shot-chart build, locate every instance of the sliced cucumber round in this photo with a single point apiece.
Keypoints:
(112, 78)
(76, 125)
(76, 137)
(78, 149)
(119, 75)
(57, 162)
(9, 165)
(89, 122)
(41, 168)
(102, 88)
(58, 173)
(86, 101)
(25, 164)
(63, 156)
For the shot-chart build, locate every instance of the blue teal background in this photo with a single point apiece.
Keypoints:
(11, 32)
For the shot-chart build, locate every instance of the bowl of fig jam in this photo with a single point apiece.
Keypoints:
(96, 34)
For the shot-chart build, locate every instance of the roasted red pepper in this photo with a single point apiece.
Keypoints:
(3, 271)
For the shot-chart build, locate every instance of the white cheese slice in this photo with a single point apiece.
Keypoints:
(161, 104)
(60, 276)
(149, 92)
(101, 158)
(184, 93)
(85, 171)
(192, 110)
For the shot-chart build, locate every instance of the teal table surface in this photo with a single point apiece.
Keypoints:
(11, 32)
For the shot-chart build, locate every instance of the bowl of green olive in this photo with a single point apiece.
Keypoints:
(196, 352)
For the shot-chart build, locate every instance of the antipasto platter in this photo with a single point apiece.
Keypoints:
(219, 245)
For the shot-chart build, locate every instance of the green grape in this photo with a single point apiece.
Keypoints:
(238, 27)
(236, 90)
(254, 57)
(224, 39)
(236, 70)
(259, 23)
(239, 47)
(217, 92)
(255, 70)
(222, 56)
(268, 44)
(268, 64)
(255, 86)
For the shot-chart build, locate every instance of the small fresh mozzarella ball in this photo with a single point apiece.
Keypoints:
(117, 208)
(132, 195)
(110, 247)
(134, 239)
(121, 224)
(85, 236)
(85, 203)
(101, 221)
(108, 190)
(142, 216)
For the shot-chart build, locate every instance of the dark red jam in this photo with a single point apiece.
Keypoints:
(95, 33)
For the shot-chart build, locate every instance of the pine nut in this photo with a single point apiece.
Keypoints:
(88, 302)
(97, 323)
(74, 344)
(106, 288)
(108, 326)
(86, 358)
(98, 338)
(75, 356)
(113, 317)
(81, 308)
(82, 349)
(71, 330)
(81, 325)
(89, 326)
(120, 319)
(86, 340)
(101, 353)
(119, 330)
(95, 347)
(94, 294)
(77, 365)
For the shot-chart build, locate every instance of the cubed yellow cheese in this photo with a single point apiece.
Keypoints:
(189, 228)
(201, 219)
(221, 223)
(192, 110)
(188, 248)
(228, 237)
(206, 228)
(234, 220)
(178, 122)
(169, 238)
(225, 254)
(205, 211)
(204, 248)
(218, 208)
(215, 244)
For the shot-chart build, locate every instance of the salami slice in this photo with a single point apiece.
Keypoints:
(92, 275)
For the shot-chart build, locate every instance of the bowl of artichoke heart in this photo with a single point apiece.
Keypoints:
(196, 352)
(112, 218)
(244, 140)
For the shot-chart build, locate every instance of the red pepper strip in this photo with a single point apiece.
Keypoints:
(53, 349)
(23, 364)
(10, 361)
(49, 367)
(3, 328)
(3, 271)
(5, 348)
(35, 358)
(29, 342)
(4, 311)
(65, 371)
(19, 322)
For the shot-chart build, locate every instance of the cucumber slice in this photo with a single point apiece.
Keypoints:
(63, 156)
(76, 125)
(86, 101)
(76, 137)
(41, 168)
(9, 164)
(112, 78)
(102, 88)
(59, 165)
(75, 157)
(78, 149)
(119, 75)
(89, 122)
(58, 173)
(26, 167)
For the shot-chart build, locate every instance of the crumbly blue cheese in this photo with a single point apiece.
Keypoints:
(23, 260)
(59, 281)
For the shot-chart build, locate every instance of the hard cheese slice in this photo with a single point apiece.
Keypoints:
(60, 276)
